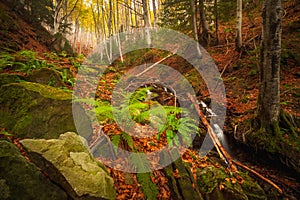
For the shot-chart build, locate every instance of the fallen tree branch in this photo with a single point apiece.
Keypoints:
(216, 141)
(231, 162)
(258, 175)
(150, 67)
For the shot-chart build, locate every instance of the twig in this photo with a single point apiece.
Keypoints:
(144, 71)
(258, 175)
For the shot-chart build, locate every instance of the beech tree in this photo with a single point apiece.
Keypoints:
(239, 25)
(63, 9)
(204, 25)
(269, 94)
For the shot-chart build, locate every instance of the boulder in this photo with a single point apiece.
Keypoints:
(9, 78)
(69, 164)
(46, 76)
(32, 110)
(20, 179)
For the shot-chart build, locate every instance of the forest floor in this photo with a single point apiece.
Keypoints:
(239, 72)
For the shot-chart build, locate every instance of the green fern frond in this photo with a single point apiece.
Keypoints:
(139, 95)
(139, 161)
(116, 141)
(128, 140)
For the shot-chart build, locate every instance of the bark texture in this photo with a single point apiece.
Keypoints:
(269, 94)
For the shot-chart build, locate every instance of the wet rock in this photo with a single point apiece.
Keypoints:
(20, 179)
(68, 163)
(32, 110)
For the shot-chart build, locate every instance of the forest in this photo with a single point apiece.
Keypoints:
(150, 99)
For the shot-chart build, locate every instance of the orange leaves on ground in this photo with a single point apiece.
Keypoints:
(239, 179)
(176, 173)
(221, 187)
(232, 180)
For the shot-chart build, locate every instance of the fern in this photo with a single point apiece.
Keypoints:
(128, 139)
(184, 126)
(116, 139)
(139, 95)
(103, 109)
(148, 187)
(139, 161)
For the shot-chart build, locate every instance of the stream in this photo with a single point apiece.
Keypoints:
(267, 165)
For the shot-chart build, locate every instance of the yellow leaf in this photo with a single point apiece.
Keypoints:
(221, 187)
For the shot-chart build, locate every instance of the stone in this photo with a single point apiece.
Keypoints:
(33, 110)
(46, 76)
(9, 78)
(68, 163)
(20, 179)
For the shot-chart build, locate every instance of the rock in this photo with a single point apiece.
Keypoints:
(9, 78)
(215, 183)
(61, 43)
(32, 110)
(68, 163)
(184, 185)
(46, 76)
(20, 179)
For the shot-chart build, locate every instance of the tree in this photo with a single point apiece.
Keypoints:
(176, 14)
(239, 24)
(268, 110)
(63, 9)
(204, 25)
(194, 18)
(36, 12)
(217, 20)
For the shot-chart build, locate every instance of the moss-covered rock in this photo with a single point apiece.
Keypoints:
(183, 186)
(20, 179)
(32, 110)
(9, 78)
(216, 183)
(46, 76)
(68, 163)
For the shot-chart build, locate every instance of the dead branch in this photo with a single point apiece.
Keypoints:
(217, 143)
(144, 71)
(224, 153)
(258, 175)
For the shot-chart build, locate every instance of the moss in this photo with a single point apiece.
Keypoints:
(9, 78)
(36, 111)
(280, 141)
(218, 183)
(46, 91)
(66, 158)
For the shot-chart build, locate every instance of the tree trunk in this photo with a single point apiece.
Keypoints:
(239, 25)
(204, 26)
(154, 13)
(217, 20)
(269, 94)
(195, 27)
(147, 23)
(146, 15)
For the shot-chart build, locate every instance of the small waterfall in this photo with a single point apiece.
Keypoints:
(207, 144)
